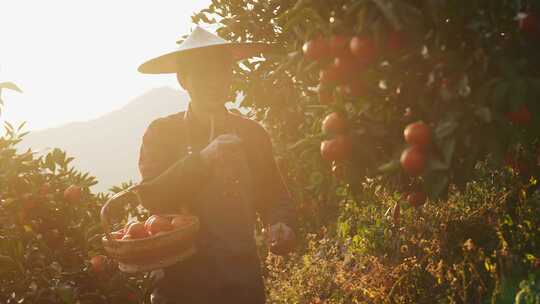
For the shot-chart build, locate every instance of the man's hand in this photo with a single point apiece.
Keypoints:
(281, 239)
(220, 146)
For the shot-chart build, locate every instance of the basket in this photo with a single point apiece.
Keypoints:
(153, 252)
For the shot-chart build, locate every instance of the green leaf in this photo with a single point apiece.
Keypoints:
(448, 149)
(66, 294)
(434, 164)
(49, 162)
(305, 141)
(19, 128)
(8, 126)
(316, 178)
(499, 94)
(484, 113)
(58, 156)
(445, 128)
(10, 86)
(387, 9)
(390, 166)
(437, 183)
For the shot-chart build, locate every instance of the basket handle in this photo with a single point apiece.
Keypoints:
(105, 211)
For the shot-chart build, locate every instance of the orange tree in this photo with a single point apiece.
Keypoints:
(418, 91)
(374, 102)
(50, 232)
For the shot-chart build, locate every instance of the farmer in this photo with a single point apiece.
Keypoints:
(220, 167)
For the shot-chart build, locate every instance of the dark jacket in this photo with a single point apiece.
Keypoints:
(226, 265)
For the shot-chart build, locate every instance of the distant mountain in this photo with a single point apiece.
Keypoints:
(108, 147)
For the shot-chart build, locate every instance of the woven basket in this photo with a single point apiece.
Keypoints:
(153, 252)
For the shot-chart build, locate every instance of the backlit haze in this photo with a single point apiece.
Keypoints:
(77, 60)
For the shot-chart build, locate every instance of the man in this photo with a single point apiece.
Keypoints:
(220, 167)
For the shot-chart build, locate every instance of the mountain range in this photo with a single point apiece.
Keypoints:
(108, 147)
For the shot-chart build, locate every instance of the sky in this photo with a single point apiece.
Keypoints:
(77, 60)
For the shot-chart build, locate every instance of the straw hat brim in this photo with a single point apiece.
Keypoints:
(170, 62)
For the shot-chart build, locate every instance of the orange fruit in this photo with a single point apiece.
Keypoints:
(363, 48)
(98, 263)
(334, 123)
(158, 224)
(417, 134)
(329, 76)
(316, 49)
(326, 95)
(346, 66)
(129, 224)
(529, 23)
(136, 231)
(337, 149)
(148, 221)
(521, 116)
(413, 161)
(339, 45)
(72, 194)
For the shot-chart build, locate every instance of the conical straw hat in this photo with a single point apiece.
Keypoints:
(198, 42)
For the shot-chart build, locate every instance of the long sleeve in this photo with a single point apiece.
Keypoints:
(171, 178)
(275, 202)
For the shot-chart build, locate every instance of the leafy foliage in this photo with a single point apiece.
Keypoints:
(47, 239)
(482, 247)
(464, 69)
(9, 86)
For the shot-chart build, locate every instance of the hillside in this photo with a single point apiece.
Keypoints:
(108, 146)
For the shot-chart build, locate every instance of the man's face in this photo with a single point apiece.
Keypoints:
(208, 82)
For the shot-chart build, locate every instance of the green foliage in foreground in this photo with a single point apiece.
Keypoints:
(481, 245)
(47, 241)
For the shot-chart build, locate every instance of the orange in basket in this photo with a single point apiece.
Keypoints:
(160, 242)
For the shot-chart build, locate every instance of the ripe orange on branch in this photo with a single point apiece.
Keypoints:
(329, 76)
(73, 194)
(334, 123)
(316, 49)
(346, 66)
(528, 23)
(337, 149)
(521, 116)
(413, 160)
(339, 45)
(418, 134)
(326, 95)
(98, 263)
(363, 48)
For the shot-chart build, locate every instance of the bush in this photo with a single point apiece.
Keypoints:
(481, 247)
(49, 231)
